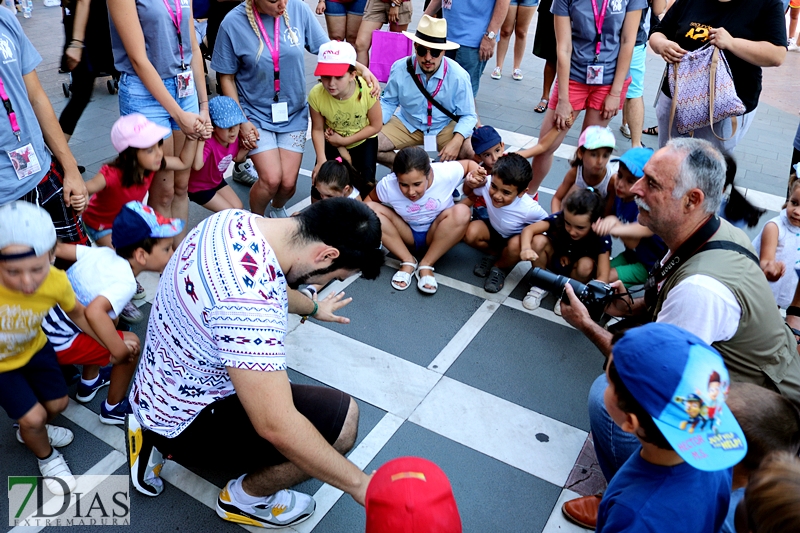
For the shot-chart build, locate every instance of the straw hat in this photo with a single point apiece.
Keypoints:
(432, 33)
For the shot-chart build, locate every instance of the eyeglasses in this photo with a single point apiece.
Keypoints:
(422, 51)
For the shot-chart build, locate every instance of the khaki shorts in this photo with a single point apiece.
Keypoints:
(396, 132)
(378, 11)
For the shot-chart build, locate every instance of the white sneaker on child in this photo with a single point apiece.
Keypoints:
(57, 436)
(533, 299)
(56, 467)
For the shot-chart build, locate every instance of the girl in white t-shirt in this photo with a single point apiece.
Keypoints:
(778, 245)
(590, 168)
(416, 209)
(336, 179)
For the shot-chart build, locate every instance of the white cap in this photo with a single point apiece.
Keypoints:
(26, 224)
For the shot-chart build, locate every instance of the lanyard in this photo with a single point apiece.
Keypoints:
(276, 51)
(434, 93)
(176, 17)
(598, 24)
(12, 116)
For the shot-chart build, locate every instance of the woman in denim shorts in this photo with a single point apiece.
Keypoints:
(518, 19)
(156, 52)
(343, 18)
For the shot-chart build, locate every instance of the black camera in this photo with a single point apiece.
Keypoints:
(595, 295)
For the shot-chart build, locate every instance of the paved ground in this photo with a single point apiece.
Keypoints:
(493, 393)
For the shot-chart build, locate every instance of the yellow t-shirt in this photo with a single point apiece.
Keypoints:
(345, 117)
(21, 335)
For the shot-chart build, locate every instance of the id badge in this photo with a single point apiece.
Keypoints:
(185, 84)
(24, 161)
(594, 75)
(280, 112)
(430, 143)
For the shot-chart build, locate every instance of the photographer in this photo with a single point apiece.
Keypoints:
(709, 283)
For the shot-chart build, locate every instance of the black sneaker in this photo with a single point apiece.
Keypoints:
(86, 393)
(144, 459)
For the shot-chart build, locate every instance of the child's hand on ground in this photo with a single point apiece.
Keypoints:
(774, 270)
(604, 226)
(528, 255)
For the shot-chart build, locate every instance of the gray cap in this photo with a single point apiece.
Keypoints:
(26, 224)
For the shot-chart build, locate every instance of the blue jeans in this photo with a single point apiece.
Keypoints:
(612, 445)
(135, 98)
(469, 59)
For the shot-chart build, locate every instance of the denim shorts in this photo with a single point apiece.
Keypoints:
(96, 234)
(294, 141)
(135, 98)
(420, 239)
(525, 3)
(340, 9)
(469, 59)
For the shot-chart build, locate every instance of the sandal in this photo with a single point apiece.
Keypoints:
(402, 276)
(495, 281)
(426, 280)
(652, 130)
(482, 269)
(542, 107)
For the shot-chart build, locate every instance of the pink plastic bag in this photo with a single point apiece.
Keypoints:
(387, 47)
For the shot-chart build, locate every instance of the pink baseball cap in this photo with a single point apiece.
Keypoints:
(136, 131)
(411, 495)
(335, 58)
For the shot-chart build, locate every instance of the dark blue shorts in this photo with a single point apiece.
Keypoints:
(337, 9)
(38, 381)
(203, 197)
(420, 239)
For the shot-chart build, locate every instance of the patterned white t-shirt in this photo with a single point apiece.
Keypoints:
(222, 302)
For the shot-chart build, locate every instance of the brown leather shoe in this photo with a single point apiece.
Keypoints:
(582, 511)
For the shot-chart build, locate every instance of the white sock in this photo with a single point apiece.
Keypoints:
(109, 406)
(238, 493)
(90, 382)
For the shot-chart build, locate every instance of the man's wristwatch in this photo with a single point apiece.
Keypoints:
(490, 35)
(395, 5)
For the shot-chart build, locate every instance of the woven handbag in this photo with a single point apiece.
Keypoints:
(703, 92)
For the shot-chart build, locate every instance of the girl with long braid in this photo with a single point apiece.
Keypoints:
(259, 56)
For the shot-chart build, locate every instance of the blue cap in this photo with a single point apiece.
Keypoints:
(225, 112)
(137, 222)
(484, 138)
(682, 383)
(635, 159)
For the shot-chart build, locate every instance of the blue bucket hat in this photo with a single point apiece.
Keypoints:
(682, 383)
(484, 138)
(635, 159)
(225, 112)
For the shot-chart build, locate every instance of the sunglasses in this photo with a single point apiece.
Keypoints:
(422, 51)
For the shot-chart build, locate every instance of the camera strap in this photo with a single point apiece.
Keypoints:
(695, 244)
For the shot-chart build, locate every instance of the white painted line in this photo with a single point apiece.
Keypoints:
(88, 420)
(508, 432)
(461, 340)
(557, 523)
(377, 377)
(327, 496)
(544, 313)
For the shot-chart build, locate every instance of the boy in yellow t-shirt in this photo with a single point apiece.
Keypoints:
(32, 388)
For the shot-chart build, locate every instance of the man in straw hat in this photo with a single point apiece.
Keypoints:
(419, 121)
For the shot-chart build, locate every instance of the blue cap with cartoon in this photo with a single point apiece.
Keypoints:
(682, 383)
(137, 222)
(225, 112)
(635, 159)
(484, 138)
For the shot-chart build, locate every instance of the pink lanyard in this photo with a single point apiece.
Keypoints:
(176, 17)
(276, 51)
(12, 116)
(598, 23)
(434, 93)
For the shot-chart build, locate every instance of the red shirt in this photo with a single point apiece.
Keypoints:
(105, 205)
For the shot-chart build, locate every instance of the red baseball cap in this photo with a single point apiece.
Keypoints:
(411, 495)
(335, 58)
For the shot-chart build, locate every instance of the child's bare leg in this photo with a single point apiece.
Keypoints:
(445, 232)
(32, 425)
(225, 198)
(510, 256)
(105, 241)
(121, 375)
(395, 234)
(583, 269)
(90, 372)
(477, 235)
(544, 249)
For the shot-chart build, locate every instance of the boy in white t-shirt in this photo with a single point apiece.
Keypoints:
(510, 209)
(104, 280)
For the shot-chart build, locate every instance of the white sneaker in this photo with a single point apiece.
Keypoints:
(497, 73)
(533, 299)
(557, 308)
(140, 292)
(57, 468)
(244, 173)
(793, 46)
(282, 509)
(276, 212)
(517, 75)
(57, 436)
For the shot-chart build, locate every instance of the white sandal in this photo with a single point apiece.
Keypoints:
(403, 277)
(426, 280)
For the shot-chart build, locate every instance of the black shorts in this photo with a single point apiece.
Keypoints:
(203, 197)
(38, 381)
(497, 243)
(223, 434)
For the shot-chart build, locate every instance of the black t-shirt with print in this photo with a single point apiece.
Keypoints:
(687, 23)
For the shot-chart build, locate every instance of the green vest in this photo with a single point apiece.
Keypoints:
(763, 344)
